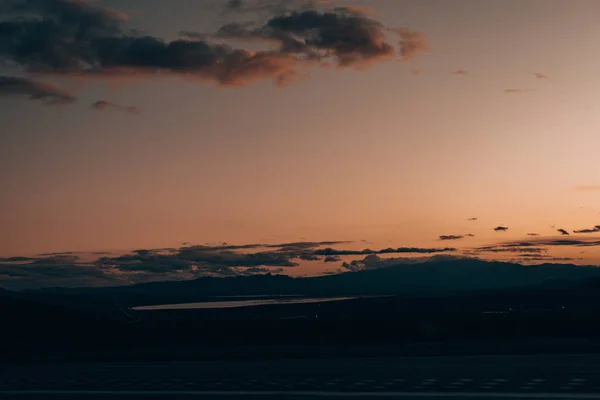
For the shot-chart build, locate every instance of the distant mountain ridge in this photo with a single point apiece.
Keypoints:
(430, 278)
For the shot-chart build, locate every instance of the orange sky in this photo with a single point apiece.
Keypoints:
(378, 153)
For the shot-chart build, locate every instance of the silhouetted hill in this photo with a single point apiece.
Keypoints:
(424, 279)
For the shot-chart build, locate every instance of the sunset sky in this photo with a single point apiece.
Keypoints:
(479, 109)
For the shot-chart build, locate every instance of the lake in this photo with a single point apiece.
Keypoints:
(242, 303)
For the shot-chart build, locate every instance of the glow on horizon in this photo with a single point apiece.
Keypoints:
(380, 154)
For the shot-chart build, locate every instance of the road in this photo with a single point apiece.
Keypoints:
(551, 376)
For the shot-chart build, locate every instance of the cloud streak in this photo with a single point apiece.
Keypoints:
(46, 93)
(592, 230)
(582, 242)
(101, 105)
(455, 237)
(399, 250)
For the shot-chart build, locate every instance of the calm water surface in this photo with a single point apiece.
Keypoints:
(242, 303)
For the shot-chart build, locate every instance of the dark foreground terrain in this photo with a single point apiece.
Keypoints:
(539, 341)
(368, 327)
(548, 315)
(558, 376)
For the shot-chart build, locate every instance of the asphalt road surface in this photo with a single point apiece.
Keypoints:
(552, 376)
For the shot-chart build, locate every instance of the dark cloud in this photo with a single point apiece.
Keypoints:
(567, 242)
(332, 259)
(77, 38)
(420, 250)
(270, 7)
(55, 34)
(148, 265)
(518, 244)
(460, 72)
(101, 105)
(234, 5)
(144, 265)
(188, 256)
(510, 249)
(583, 242)
(308, 257)
(46, 93)
(526, 258)
(451, 237)
(258, 270)
(373, 261)
(593, 230)
(54, 272)
(533, 234)
(263, 270)
(562, 231)
(352, 38)
(472, 219)
(501, 229)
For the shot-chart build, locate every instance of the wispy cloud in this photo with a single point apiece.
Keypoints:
(460, 72)
(501, 228)
(539, 75)
(581, 242)
(101, 105)
(399, 250)
(592, 230)
(455, 237)
(46, 93)
(504, 248)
